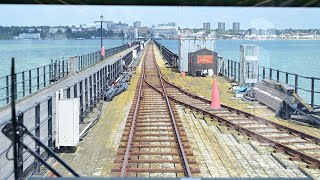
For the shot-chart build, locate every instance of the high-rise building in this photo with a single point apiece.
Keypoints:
(206, 25)
(221, 26)
(236, 26)
(137, 24)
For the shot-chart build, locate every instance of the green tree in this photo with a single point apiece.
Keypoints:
(69, 32)
(35, 30)
(98, 33)
(110, 33)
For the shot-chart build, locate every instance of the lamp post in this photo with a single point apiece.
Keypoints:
(101, 21)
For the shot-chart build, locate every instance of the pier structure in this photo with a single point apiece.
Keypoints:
(163, 126)
(86, 77)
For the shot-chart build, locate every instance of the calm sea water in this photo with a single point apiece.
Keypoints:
(296, 56)
(30, 54)
(33, 53)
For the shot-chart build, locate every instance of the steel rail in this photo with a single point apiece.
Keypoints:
(248, 115)
(183, 155)
(133, 122)
(311, 161)
(127, 152)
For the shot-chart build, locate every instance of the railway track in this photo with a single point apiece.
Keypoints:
(154, 142)
(298, 145)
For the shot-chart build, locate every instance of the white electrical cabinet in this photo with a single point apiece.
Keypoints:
(68, 122)
(134, 54)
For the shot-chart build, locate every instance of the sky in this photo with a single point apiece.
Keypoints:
(192, 17)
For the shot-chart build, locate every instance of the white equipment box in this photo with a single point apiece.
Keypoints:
(134, 54)
(68, 122)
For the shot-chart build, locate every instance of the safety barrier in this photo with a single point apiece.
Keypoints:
(40, 117)
(32, 80)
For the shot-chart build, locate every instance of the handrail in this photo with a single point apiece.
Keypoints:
(32, 80)
(89, 89)
(232, 69)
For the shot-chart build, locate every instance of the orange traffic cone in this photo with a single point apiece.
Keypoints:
(215, 99)
(183, 74)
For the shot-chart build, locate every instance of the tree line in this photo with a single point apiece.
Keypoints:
(10, 32)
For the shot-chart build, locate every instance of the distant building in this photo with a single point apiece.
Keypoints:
(271, 31)
(136, 33)
(166, 30)
(144, 31)
(120, 25)
(54, 30)
(221, 26)
(137, 24)
(91, 28)
(186, 32)
(109, 24)
(236, 26)
(75, 29)
(33, 36)
(172, 24)
(30, 30)
(206, 26)
(253, 31)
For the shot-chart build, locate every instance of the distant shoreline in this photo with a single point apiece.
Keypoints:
(274, 39)
(59, 39)
(260, 39)
(158, 39)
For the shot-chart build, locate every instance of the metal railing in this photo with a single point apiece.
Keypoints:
(170, 57)
(40, 118)
(306, 87)
(32, 80)
(90, 59)
(229, 68)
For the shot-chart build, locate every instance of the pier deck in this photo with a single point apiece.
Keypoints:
(203, 86)
(83, 79)
(95, 155)
(218, 151)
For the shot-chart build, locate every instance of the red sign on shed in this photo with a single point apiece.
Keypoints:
(204, 59)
